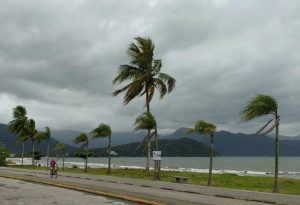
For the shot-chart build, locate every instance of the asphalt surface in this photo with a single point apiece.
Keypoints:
(16, 192)
(155, 191)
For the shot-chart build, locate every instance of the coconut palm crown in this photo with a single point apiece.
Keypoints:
(143, 72)
(259, 106)
(145, 121)
(101, 131)
(203, 127)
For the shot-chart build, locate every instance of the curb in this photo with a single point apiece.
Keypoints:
(91, 191)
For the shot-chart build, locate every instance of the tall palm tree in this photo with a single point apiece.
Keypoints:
(262, 105)
(21, 140)
(61, 148)
(206, 128)
(143, 72)
(102, 131)
(17, 125)
(146, 121)
(33, 135)
(46, 136)
(84, 141)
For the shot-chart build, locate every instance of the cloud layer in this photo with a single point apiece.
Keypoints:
(58, 59)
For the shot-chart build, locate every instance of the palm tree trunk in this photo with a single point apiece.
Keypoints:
(32, 153)
(148, 156)
(48, 151)
(276, 189)
(63, 156)
(86, 158)
(156, 141)
(109, 152)
(211, 160)
(23, 146)
(147, 170)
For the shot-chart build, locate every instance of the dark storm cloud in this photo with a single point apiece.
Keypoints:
(59, 58)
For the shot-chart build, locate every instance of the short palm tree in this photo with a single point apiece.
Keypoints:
(17, 125)
(262, 105)
(61, 148)
(143, 72)
(146, 121)
(206, 128)
(102, 131)
(84, 141)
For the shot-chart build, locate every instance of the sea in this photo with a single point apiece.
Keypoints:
(289, 167)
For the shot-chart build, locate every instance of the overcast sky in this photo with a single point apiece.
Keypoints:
(58, 59)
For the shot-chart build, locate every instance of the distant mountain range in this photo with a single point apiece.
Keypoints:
(9, 140)
(175, 144)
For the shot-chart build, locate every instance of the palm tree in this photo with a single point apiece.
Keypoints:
(33, 134)
(143, 72)
(21, 140)
(84, 141)
(146, 121)
(17, 125)
(262, 105)
(46, 136)
(102, 131)
(206, 128)
(61, 148)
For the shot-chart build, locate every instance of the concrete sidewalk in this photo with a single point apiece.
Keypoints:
(161, 191)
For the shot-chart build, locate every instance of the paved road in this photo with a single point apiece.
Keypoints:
(167, 193)
(15, 192)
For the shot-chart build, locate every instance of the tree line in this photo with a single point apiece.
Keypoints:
(143, 77)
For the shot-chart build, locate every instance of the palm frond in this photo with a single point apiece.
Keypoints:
(161, 86)
(203, 127)
(259, 106)
(82, 138)
(157, 64)
(127, 72)
(145, 140)
(169, 80)
(269, 130)
(263, 127)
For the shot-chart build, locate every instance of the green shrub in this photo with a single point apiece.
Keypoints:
(4, 153)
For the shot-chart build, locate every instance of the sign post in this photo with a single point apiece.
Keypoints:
(157, 160)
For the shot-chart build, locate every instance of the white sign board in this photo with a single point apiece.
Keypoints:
(156, 155)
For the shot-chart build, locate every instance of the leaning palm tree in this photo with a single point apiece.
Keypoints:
(143, 72)
(262, 105)
(206, 128)
(17, 125)
(146, 121)
(61, 148)
(84, 141)
(102, 131)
